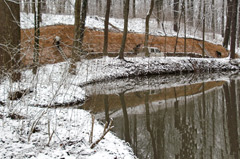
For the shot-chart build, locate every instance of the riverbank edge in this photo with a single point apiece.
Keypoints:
(102, 70)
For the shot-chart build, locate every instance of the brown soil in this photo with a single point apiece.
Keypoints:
(93, 42)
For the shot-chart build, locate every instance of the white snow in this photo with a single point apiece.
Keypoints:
(136, 25)
(54, 86)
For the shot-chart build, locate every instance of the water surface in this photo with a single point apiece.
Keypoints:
(180, 117)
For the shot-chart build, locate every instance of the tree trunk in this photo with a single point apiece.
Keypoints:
(228, 24)
(77, 12)
(203, 32)
(178, 29)
(147, 29)
(185, 28)
(158, 5)
(125, 30)
(238, 40)
(234, 28)
(36, 35)
(26, 6)
(199, 12)
(134, 8)
(223, 14)
(106, 21)
(10, 39)
(213, 18)
(175, 13)
(192, 13)
(44, 6)
(100, 7)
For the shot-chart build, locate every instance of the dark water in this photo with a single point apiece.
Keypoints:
(180, 117)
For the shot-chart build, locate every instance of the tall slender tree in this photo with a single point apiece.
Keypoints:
(37, 19)
(134, 8)
(228, 24)
(76, 43)
(159, 5)
(234, 28)
(203, 32)
(238, 38)
(125, 30)
(223, 15)
(147, 29)
(213, 18)
(10, 39)
(185, 27)
(79, 33)
(44, 6)
(175, 14)
(106, 21)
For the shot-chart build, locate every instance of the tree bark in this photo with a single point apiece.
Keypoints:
(199, 12)
(234, 28)
(37, 19)
(238, 39)
(213, 18)
(44, 6)
(10, 39)
(125, 30)
(147, 29)
(223, 14)
(158, 4)
(176, 15)
(77, 11)
(203, 32)
(228, 24)
(134, 8)
(106, 21)
(185, 27)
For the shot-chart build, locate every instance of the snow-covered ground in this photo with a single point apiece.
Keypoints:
(32, 128)
(136, 25)
(30, 136)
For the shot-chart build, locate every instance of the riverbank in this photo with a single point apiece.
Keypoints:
(33, 126)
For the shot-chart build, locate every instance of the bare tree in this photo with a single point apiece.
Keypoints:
(106, 21)
(213, 18)
(228, 24)
(134, 8)
(238, 38)
(185, 27)
(37, 18)
(125, 30)
(9, 42)
(203, 32)
(44, 6)
(159, 5)
(234, 28)
(76, 43)
(223, 15)
(175, 12)
(147, 29)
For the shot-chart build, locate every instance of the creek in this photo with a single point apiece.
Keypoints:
(172, 116)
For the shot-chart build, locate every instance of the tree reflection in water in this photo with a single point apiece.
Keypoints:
(198, 120)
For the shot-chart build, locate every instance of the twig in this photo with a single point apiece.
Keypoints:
(91, 134)
(35, 124)
(106, 130)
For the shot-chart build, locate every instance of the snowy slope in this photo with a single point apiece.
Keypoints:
(136, 25)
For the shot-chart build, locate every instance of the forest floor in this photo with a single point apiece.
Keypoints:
(93, 42)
